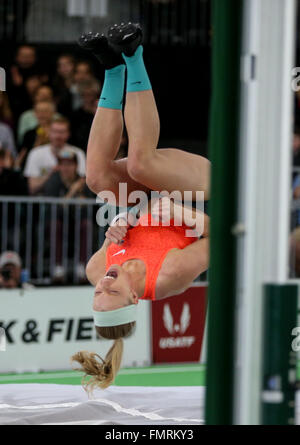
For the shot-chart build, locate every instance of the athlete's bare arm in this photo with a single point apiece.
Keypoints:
(95, 268)
(182, 266)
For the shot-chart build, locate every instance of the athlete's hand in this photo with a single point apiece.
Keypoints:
(117, 232)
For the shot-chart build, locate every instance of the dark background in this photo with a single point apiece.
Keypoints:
(177, 54)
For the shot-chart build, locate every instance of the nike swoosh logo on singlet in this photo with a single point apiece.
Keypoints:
(121, 251)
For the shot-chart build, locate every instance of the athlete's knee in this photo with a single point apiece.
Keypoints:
(138, 166)
(97, 182)
(93, 183)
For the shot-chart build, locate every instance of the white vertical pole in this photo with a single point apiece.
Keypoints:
(265, 160)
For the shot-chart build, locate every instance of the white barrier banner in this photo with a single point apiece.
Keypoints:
(44, 327)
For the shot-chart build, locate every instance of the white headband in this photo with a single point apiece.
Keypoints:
(116, 317)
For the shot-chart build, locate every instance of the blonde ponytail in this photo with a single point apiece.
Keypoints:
(103, 372)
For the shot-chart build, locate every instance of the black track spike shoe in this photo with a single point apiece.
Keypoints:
(98, 44)
(125, 38)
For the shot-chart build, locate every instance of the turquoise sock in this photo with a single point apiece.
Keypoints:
(137, 77)
(113, 88)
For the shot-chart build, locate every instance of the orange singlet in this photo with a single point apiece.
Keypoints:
(151, 245)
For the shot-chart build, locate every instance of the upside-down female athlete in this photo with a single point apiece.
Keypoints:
(153, 262)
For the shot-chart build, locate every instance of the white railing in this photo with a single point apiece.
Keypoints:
(55, 237)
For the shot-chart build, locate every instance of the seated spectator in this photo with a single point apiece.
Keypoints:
(28, 120)
(82, 118)
(297, 106)
(6, 116)
(42, 161)
(83, 72)
(295, 253)
(63, 82)
(7, 140)
(12, 183)
(32, 84)
(66, 183)
(24, 67)
(44, 112)
(296, 146)
(296, 187)
(10, 270)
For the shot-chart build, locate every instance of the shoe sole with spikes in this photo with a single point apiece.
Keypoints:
(125, 38)
(98, 44)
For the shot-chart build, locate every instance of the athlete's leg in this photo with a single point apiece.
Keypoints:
(164, 169)
(168, 169)
(102, 171)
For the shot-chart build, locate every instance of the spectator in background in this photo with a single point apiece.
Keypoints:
(28, 120)
(42, 161)
(295, 253)
(25, 100)
(6, 116)
(83, 72)
(63, 82)
(25, 65)
(296, 146)
(12, 183)
(32, 84)
(7, 141)
(65, 70)
(296, 187)
(82, 118)
(66, 183)
(44, 112)
(24, 74)
(10, 270)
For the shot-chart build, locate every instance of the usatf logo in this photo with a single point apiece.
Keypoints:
(184, 319)
(2, 340)
(175, 328)
(2, 79)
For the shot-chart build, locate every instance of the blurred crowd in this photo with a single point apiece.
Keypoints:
(43, 117)
(294, 270)
(44, 128)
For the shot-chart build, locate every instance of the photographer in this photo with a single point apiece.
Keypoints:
(10, 270)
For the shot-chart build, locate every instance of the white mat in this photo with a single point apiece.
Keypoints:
(43, 404)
